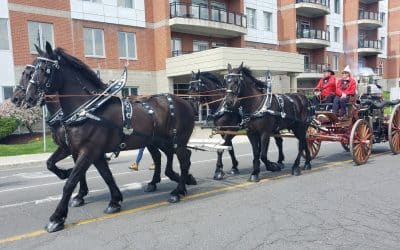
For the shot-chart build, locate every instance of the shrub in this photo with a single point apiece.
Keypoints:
(7, 126)
(25, 117)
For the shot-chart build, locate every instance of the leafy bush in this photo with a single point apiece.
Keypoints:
(7, 126)
(25, 117)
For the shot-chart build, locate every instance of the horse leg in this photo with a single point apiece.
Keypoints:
(235, 163)
(156, 155)
(78, 200)
(281, 157)
(219, 173)
(302, 144)
(307, 164)
(183, 155)
(116, 197)
(58, 155)
(57, 219)
(270, 166)
(255, 144)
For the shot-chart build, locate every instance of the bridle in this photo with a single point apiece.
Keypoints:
(228, 78)
(50, 66)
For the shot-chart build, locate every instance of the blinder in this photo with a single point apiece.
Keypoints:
(49, 67)
(228, 79)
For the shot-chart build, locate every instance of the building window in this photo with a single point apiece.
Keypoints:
(251, 18)
(130, 91)
(200, 46)
(92, 1)
(126, 3)
(383, 43)
(176, 46)
(39, 34)
(7, 92)
(267, 21)
(127, 45)
(337, 6)
(93, 42)
(336, 34)
(335, 63)
(4, 43)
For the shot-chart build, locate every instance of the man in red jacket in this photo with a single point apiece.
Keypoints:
(325, 88)
(345, 89)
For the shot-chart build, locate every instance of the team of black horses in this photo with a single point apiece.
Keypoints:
(162, 122)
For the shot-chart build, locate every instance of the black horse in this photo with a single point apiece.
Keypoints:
(210, 89)
(291, 111)
(168, 128)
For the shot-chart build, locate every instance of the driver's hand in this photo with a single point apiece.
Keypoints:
(317, 92)
(344, 95)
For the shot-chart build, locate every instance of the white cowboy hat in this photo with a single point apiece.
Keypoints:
(347, 69)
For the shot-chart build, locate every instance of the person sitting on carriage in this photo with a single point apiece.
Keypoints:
(325, 89)
(345, 90)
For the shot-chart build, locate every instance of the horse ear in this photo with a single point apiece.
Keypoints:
(229, 67)
(198, 72)
(193, 75)
(39, 51)
(49, 49)
(241, 66)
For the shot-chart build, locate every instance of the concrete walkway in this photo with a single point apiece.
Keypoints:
(9, 161)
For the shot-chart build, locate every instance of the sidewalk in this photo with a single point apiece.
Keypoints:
(18, 160)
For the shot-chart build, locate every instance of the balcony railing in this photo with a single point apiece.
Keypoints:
(320, 2)
(203, 12)
(314, 68)
(313, 34)
(180, 52)
(362, 14)
(370, 44)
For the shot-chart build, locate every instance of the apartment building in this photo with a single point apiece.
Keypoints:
(163, 41)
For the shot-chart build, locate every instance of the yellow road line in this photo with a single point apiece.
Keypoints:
(163, 203)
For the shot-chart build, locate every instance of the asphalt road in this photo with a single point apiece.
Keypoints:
(336, 205)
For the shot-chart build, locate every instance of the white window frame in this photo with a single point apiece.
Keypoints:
(127, 46)
(174, 49)
(200, 42)
(93, 43)
(42, 44)
(130, 88)
(122, 4)
(267, 20)
(337, 7)
(336, 34)
(93, 1)
(7, 32)
(251, 15)
(335, 62)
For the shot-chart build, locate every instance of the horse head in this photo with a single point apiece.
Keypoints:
(45, 78)
(19, 91)
(234, 81)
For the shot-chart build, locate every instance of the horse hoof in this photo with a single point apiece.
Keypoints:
(191, 180)
(296, 171)
(174, 198)
(274, 167)
(77, 202)
(281, 165)
(307, 166)
(234, 171)
(54, 226)
(111, 209)
(150, 188)
(254, 178)
(219, 176)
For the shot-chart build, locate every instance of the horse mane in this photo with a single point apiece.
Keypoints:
(246, 71)
(79, 65)
(212, 78)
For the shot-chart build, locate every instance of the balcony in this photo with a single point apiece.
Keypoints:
(312, 71)
(369, 1)
(368, 20)
(207, 21)
(369, 47)
(312, 8)
(312, 38)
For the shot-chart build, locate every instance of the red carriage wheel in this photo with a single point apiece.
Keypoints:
(361, 140)
(313, 144)
(394, 130)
